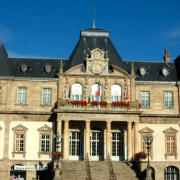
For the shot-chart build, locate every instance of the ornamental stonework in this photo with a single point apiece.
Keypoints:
(96, 62)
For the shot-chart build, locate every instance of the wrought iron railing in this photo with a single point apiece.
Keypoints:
(88, 172)
(110, 166)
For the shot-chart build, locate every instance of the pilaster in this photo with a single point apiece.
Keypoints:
(133, 89)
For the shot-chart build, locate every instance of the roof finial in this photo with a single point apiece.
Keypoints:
(132, 69)
(94, 26)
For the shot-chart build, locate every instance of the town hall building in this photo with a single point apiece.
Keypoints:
(103, 106)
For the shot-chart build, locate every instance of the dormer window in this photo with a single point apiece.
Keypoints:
(142, 71)
(24, 67)
(165, 71)
(48, 68)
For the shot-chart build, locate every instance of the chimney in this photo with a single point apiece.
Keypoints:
(166, 56)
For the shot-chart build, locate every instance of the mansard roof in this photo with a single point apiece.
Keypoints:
(36, 67)
(154, 70)
(91, 39)
(4, 68)
(177, 62)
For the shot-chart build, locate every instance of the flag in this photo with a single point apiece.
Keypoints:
(97, 93)
(127, 93)
(69, 95)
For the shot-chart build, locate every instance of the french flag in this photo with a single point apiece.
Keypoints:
(97, 93)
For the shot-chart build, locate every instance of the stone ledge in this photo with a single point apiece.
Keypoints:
(160, 115)
(96, 111)
(26, 112)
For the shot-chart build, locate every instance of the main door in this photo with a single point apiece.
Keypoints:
(117, 140)
(96, 146)
(75, 146)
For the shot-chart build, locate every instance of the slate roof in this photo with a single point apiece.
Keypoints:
(35, 67)
(95, 39)
(89, 40)
(177, 62)
(154, 70)
(4, 68)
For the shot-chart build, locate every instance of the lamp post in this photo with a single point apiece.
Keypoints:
(57, 170)
(148, 140)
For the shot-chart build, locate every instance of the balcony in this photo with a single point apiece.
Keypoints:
(102, 106)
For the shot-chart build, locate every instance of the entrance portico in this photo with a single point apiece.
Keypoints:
(97, 135)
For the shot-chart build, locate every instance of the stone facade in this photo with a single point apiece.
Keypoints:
(89, 131)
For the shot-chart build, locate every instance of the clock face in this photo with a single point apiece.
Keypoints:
(165, 72)
(96, 68)
(142, 71)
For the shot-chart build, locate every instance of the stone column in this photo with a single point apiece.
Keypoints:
(66, 140)
(108, 137)
(59, 127)
(136, 137)
(129, 133)
(88, 138)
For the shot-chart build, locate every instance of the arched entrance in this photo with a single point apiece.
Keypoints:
(96, 144)
(17, 174)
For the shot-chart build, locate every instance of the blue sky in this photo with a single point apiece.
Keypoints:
(140, 30)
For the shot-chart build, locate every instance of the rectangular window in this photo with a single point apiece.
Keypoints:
(170, 144)
(47, 96)
(168, 99)
(0, 94)
(44, 143)
(21, 95)
(19, 142)
(145, 98)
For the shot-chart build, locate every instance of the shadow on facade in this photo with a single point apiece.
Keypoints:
(41, 173)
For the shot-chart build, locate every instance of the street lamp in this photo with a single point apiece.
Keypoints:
(57, 170)
(148, 140)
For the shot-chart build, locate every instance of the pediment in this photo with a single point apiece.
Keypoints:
(97, 54)
(119, 71)
(45, 128)
(19, 128)
(170, 130)
(75, 70)
(146, 130)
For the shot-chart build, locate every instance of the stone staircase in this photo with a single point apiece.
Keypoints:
(99, 170)
(123, 171)
(73, 170)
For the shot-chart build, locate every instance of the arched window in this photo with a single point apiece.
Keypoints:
(171, 173)
(76, 91)
(96, 92)
(116, 93)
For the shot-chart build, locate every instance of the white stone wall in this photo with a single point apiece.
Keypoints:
(32, 140)
(159, 141)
